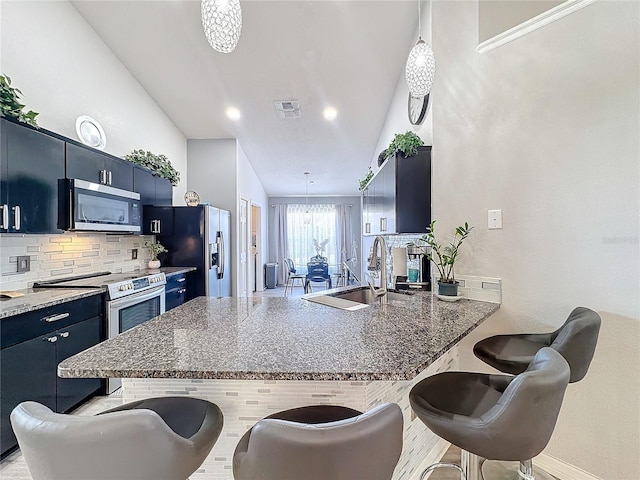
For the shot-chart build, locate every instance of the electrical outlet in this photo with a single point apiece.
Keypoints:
(134, 254)
(24, 263)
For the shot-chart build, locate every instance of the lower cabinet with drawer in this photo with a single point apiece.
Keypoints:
(175, 291)
(33, 344)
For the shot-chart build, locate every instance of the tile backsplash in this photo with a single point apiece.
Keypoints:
(68, 254)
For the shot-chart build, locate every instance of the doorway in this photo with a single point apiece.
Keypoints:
(257, 280)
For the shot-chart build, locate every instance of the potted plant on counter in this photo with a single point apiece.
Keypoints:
(155, 249)
(444, 256)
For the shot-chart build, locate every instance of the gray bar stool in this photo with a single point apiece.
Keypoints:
(497, 417)
(322, 442)
(154, 439)
(575, 340)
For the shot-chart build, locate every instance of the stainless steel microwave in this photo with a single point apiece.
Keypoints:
(92, 207)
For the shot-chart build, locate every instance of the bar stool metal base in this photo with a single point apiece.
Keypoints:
(432, 467)
(497, 470)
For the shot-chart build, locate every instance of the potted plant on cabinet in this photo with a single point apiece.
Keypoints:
(407, 143)
(160, 165)
(155, 249)
(10, 105)
(444, 256)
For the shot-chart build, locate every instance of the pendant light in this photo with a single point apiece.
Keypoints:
(421, 66)
(222, 23)
(307, 214)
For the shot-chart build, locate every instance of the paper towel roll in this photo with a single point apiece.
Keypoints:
(399, 258)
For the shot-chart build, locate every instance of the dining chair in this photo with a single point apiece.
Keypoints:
(292, 276)
(317, 272)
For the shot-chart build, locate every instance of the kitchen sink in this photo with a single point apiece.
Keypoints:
(352, 299)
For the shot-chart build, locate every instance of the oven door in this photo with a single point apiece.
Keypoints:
(128, 312)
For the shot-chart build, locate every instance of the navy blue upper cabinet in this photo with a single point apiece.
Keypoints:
(97, 167)
(31, 163)
(153, 190)
(398, 198)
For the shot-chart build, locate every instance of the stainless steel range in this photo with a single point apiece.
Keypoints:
(132, 299)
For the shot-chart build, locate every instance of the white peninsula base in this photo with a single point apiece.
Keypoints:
(244, 402)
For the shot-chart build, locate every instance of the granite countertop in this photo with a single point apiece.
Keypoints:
(284, 339)
(168, 271)
(35, 299)
(43, 298)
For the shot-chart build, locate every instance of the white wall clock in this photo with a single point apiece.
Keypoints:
(90, 132)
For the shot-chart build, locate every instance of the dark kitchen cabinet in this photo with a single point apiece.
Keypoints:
(157, 220)
(398, 198)
(175, 290)
(33, 344)
(31, 163)
(97, 167)
(153, 190)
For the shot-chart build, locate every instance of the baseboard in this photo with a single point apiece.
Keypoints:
(532, 24)
(561, 469)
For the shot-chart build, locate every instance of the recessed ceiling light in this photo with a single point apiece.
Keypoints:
(330, 113)
(233, 113)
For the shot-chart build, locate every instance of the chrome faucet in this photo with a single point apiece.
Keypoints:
(382, 291)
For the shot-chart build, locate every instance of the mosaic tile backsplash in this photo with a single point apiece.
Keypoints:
(68, 254)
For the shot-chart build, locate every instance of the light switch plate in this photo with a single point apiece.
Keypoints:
(494, 219)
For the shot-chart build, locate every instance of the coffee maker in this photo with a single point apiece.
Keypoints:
(413, 270)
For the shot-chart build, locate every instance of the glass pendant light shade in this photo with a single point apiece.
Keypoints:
(222, 23)
(421, 69)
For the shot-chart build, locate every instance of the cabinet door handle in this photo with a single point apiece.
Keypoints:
(64, 334)
(367, 227)
(180, 280)
(383, 224)
(55, 318)
(159, 228)
(51, 339)
(103, 176)
(109, 177)
(16, 217)
(5, 216)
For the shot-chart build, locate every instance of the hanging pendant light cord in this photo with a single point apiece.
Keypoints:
(419, 22)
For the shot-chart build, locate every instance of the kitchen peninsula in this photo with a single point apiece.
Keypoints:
(256, 356)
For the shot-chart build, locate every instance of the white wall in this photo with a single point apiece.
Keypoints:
(547, 129)
(220, 172)
(250, 187)
(65, 70)
(213, 173)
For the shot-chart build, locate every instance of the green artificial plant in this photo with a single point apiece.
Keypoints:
(11, 107)
(443, 255)
(159, 164)
(365, 181)
(407, 143)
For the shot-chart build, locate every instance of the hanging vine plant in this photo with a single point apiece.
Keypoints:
(159, 164)
(11, 107)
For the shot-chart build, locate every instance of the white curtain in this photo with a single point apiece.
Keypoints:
(278, 239)
(311, 230)
(344, 237)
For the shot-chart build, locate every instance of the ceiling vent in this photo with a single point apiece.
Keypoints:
(288, 108)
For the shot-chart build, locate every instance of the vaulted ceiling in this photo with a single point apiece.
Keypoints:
(345, 54)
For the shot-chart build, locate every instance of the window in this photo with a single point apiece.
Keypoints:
(320, 226)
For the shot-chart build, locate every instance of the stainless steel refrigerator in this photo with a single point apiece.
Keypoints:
(200, 237)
